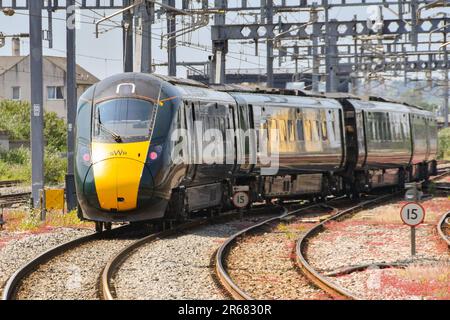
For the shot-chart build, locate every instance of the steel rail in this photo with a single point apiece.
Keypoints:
(13, 284)
(314, 276)
(231, 287)
(14, 198)
(10, 183)
(301, 245)
(445, 219)
(107, 290)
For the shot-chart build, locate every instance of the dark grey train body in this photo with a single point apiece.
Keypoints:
(325, 146)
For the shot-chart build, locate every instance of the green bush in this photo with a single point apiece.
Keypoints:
(15, 119)
(54, 166)
(55, 132)
(444, 144)
(16, 156)
(16, 165)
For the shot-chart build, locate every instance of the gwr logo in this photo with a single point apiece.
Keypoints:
(117, 153)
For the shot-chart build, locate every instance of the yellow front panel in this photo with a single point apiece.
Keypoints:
(105, 177)
(117, 173)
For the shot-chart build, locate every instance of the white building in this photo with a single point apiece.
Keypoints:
(15, 80)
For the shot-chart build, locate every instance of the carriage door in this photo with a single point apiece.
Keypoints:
(192, 143)
(246, 140)
(230, 144)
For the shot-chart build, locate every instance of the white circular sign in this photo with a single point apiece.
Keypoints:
(240, 199)
(412, 214)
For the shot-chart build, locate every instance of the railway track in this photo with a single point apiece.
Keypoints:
(108, 290)
(44, 271)
(16, 283)
(104, 279)
(10, 183)
(443, 228)
(444, 186)
(234, 288)
(300, 249)
(15, 198)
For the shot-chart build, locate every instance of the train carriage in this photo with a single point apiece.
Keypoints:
(305, 133)
(151, 147)
(389, 142)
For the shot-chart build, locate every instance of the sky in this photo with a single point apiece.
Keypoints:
(103, 56)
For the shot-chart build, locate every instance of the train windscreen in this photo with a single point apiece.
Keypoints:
(122, 120)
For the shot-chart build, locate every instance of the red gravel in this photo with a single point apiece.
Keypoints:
(379, 236)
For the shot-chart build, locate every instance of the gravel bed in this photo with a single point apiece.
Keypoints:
(75, 274)
(378, 236)
(16, 248)
(363, 244)
(418, 281)
(179, 267)
(264, 266)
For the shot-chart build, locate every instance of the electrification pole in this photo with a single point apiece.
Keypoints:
(71, 82)
(37, 109)
(127, 38)
(269, 65)
(172, 41)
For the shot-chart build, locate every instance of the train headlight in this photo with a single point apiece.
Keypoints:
(155, 152)
(85, 155)
(153, 155)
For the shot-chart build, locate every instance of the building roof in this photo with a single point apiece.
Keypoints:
(84, 77)
(7, 62)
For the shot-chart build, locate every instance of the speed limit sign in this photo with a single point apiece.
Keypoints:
(240, 199)
(412, 214)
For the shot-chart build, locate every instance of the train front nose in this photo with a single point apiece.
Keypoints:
(119, 184)
(119, 177)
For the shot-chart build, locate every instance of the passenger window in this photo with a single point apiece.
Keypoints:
(291, 130)
(271, 128)
(324, 131)
(283, 130)
(380, 131)
(308, 130)
(300, 132)
(315, 130)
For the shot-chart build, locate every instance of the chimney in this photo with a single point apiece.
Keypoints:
(16, 46)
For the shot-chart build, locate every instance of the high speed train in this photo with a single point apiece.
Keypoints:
(131, 166)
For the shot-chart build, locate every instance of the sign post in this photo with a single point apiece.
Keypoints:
(412, 214)
(240, 198)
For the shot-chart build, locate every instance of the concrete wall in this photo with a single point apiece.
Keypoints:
(16, 144)
(4, 141)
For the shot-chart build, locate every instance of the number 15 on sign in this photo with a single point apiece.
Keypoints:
(412, 214)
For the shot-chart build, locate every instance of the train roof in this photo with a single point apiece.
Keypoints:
(377, 106)
(285, 100)
(190, 89)
(384, 106)
(203, 94)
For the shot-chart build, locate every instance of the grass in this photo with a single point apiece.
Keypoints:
(424, 281)
(25, 220)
